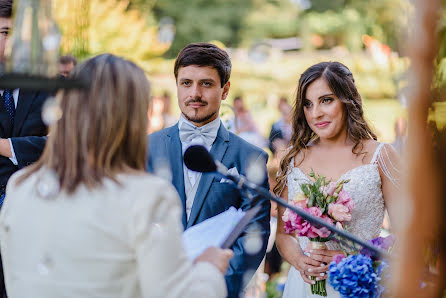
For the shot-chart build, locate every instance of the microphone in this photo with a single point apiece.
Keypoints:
(198, 159)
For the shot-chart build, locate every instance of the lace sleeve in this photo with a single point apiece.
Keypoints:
(389, 164)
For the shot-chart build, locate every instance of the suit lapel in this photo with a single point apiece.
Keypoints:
(218, 151)
(24, 103)
(173, 145)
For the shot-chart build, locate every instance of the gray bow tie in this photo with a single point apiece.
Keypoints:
(189, 133)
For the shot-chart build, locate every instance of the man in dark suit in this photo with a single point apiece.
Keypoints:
(202, 74)
(22, 132)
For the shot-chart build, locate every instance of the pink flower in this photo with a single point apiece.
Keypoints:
(327, 219)
(339, 212)
(293, 222)
(338, 258)
(322, 231)
(289, 216)
(301, 204)
(315, 211)
(339, 226)
(306, 229)
(329, 189)
(345, 199)
(289, 227)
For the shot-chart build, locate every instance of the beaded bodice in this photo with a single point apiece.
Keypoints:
(365, 189)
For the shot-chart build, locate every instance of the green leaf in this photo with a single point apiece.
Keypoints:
(311, 200)
(305, 189)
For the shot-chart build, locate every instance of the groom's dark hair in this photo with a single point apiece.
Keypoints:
(205, 54)
(5, 8)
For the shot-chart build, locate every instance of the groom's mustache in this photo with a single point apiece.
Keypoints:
(195, 100)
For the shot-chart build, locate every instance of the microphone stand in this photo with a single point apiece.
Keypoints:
(245, 184)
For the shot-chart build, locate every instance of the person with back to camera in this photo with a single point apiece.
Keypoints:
(331, 137)
(87, 220)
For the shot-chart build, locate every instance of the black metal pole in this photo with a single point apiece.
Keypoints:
(241, 182)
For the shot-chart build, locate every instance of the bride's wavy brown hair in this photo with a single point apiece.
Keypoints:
(340, 80)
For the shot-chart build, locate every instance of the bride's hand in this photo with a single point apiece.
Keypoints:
(323, 255)
(309, 267)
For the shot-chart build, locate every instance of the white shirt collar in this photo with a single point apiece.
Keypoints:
(214, 125)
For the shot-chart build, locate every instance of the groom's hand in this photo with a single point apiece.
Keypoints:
(217, 257)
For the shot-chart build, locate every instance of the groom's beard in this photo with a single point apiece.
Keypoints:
(201, 119)
(196, 119)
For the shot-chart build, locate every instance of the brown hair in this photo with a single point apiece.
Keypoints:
(102, 131)
(67, 59)
(205, 54)
(340, 80)
(5, 8)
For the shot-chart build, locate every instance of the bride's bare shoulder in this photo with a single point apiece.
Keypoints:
(370, 146)
(300, 156)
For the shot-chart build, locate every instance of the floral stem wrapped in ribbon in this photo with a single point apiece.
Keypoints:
(324, 199)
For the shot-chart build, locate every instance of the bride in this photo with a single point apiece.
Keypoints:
(331, 138)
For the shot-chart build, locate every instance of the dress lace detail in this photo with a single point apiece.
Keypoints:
(367, 216)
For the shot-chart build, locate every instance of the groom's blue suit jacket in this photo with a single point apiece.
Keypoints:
(214, 197)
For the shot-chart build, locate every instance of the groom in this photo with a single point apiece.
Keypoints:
(202, 74)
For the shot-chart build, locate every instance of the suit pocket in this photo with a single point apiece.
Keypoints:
(225, 195)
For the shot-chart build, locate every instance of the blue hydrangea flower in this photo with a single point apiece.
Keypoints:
(354, 276)
(382, 273)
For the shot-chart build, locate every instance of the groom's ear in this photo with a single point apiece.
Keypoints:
(225, 90)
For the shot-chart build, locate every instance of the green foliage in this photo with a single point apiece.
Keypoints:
(387, 20)
(107, 26)
(270, 19)
(199, 20)
(271, 290)
(440, 76)
(347, 20)
(438, 110)
(74, 22)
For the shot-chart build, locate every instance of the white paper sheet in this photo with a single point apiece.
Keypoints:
(211, 232)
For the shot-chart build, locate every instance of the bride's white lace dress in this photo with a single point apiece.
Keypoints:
(367, 216)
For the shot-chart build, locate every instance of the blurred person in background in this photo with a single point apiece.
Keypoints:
(400, 128)
(86, 220)
(169, 119)
(281, 131)
(159, 116)
(245, 126)
(66, 64)
(155, 115)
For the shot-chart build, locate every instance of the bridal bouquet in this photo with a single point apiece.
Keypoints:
(359, 275)
(326, 200)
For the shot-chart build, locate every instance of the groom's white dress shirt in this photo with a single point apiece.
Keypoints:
(192, 178)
